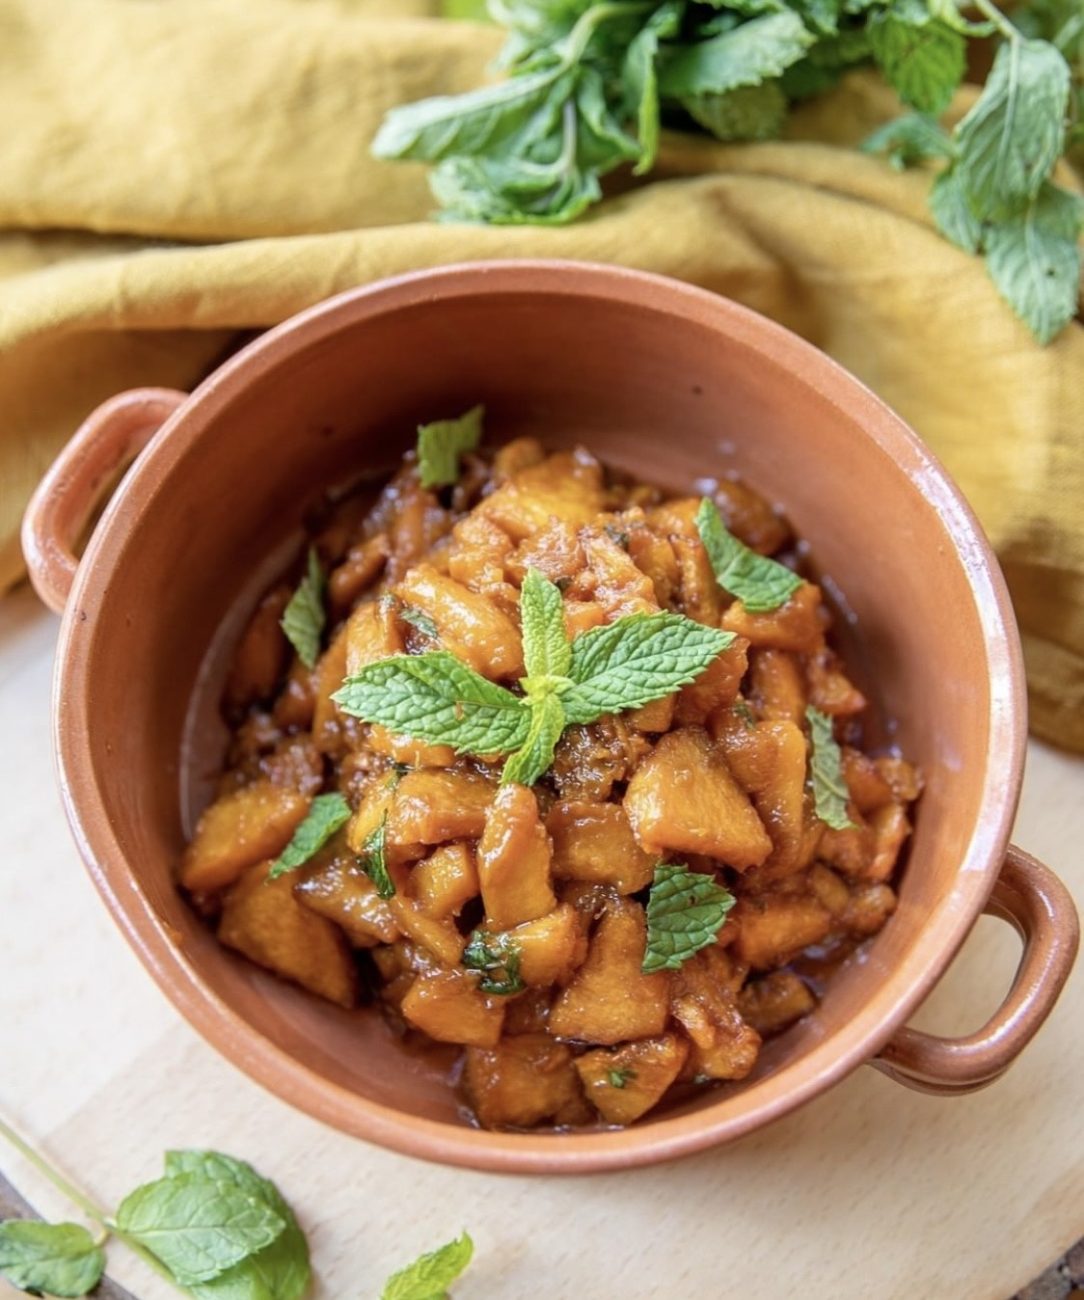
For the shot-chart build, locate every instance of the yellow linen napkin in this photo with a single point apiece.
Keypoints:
(174, 172)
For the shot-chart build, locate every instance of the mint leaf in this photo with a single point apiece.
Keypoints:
(436, 698)
(761, 584)
(498, 957)
(1012, 136)
(419, 619)
(830, 792)
(754, 52)
(515, 192)
(952, 212)
(685, 911)
(1034, 259)
(198, 1227)
(373, 861)
(441, 444)
(475, 11)
(546, 648)
(641, 81)
(640, 658)
(527, 764)
(910, 140)
(619, 1078)
(922, 58)
(278, 1272)
(304, 617)
(429, 1277)
(326, 815)
(60, 1259)
(746, 113)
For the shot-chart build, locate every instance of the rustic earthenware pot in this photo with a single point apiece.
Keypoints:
(669, 381)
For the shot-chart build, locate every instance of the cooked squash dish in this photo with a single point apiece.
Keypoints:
(556, 768)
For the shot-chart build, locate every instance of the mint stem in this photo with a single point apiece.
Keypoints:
(73, 1194)
(994, 15)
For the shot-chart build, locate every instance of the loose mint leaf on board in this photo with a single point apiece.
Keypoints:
(745, 56)
(58, 1259)
(441, 444)
(830, 793)
(640, 658)
(436, 698)
(1034, 259)
(430, 1276)
(685, 911)
(528, 764)
(326, 815)
(304, 617)
(760, 583)
(1015, 131)
(197, 1226)
(921, 57)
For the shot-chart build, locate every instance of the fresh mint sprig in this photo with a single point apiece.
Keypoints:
(685, 912)
(429, 1276)
(830, 793)
(760, 583)
(436, 698)
(304, 617)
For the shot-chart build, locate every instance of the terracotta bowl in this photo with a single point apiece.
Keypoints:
(671, 382)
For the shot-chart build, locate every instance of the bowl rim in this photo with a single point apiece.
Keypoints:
(858, 1041)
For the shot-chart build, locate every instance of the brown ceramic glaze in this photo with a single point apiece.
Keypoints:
(671, 382)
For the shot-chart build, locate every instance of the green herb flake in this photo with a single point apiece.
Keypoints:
(760, 583)
(327, 814)
(420, 619)
(60, 1259)
(442, 443)
(742, 709)
(498, 957)
(373, 859)
(430, 1276)
(830, 794)
(619, 1078)
(685, 911)
(304, 617)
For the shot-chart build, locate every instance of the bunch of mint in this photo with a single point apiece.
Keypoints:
(590, 80)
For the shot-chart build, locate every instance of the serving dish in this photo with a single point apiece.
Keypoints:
(572, 353)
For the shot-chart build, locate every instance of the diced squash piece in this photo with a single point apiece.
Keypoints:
(777, 686)
(749, 517)
(446, 1005)
(610, 999)
(655, 717)
(263, 919)
(374, 806)
(795, 625)
(829, 889)
(850, 850)
(479, 553)
(519, 454)
(594, 842)
(588, 760)
(701, 598)
(623, 1083)
(551, 947)
(521, 1082)
(261, 654)
(416, 523)
(471, 627)
(773, 928)
(514, 860)
(891, 828)
(330, 728)
(294, 706)
(445, 881)
(556, 552)
(869, 908)
(433, 805)
(404, 749)
(440, 938)
(716, 688)
(295, 761)
(703, 1002)
(683, 799)
(342, 892)
(774, 1002)
(581, 616)
(830, 689)
(675, 518)
(372, 634)
(239, 830)
(865, 784)
(359, 570)
(528, 1013)
(769, 761)
(654, 556)
(904, 778)
(611, 579)
(565, 486)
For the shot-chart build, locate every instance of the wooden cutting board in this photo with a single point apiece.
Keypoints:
(870, 1193)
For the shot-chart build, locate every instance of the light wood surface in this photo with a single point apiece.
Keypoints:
(871, 1192)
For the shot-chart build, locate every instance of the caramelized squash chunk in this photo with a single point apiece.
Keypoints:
(525, 1080)
(446, 1005)
(594, 842)
(773, 928)
(551, 947)
(372, 634)
(623, 1083)
(445, 881)
(770, 762)
(261, 655)
(684, 799)
(340, 891)
(795, 625)
(263, 919)
(565, 486)
(470, 626)
(239, 830)
(610, 999)
(432, 806)
(514, 860)
(703, 1003)
(774, 1002)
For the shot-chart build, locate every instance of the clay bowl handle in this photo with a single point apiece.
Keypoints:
(1038, 906)
(79, 481)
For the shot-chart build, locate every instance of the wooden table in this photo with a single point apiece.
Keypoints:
(870, 1193)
